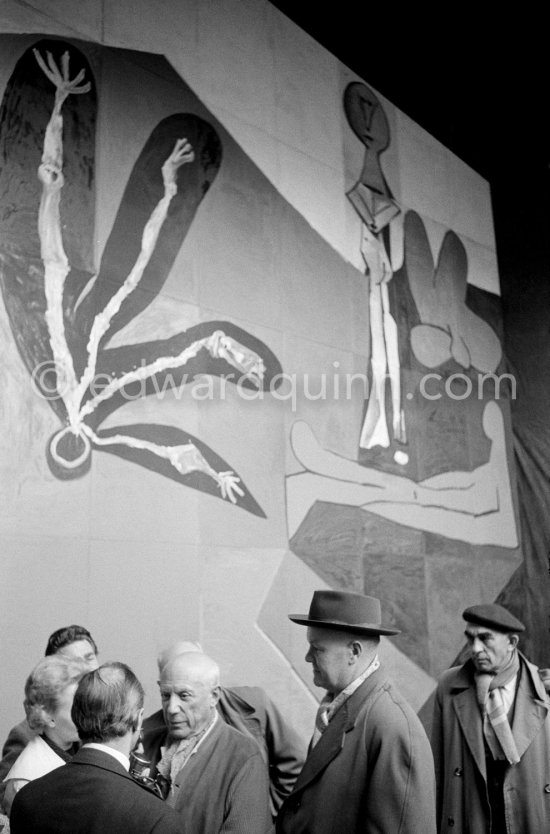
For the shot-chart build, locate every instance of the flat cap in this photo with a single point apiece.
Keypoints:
(493, 616)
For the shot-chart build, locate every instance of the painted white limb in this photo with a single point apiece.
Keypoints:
(247, 361)
(217, 344)
(391, 341)
(375, 429)
(185, 458)
(384, 348)
(56, 264)
(181, 154)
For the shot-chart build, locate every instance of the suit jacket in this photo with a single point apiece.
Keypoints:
(370, 772)
(91, 794)
(459, 753)
(250, 710)
(222, 787)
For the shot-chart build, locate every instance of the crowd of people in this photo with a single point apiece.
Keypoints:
(219, 759)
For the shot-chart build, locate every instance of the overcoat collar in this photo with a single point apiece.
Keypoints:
(529, 713)
(97, 758)
(334, 737)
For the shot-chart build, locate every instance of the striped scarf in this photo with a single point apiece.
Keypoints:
(496, 727)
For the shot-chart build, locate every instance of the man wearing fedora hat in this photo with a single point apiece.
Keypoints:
(491, 734)
(369, 766)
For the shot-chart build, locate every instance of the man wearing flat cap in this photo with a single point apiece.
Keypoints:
(491, 734)
(369, 766)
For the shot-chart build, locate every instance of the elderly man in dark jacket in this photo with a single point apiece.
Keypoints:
(491, 734)
(212, 774)
(251, 711)
(369, 769)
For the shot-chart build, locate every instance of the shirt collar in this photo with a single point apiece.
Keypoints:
(116, 754)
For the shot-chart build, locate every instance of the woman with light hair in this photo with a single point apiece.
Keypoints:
(49, 693)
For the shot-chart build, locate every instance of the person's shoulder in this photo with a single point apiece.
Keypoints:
(18, 737)
(154, 722)
(452, 677)
(242, 747)
(36, 759)
(387, 697)
(253, 696)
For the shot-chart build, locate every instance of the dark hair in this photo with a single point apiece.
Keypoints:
(107, 703)
(67, 635)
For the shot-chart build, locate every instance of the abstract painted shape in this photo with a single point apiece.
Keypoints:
(475, 506)
(374, 203)
(449, 329)
(62, 318)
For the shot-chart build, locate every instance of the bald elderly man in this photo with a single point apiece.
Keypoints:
(491, 734)
(250, 710)
(212, 774)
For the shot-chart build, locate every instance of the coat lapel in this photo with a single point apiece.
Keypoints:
(333, 739)
(469, 718)
(328, 746)
(531, 707)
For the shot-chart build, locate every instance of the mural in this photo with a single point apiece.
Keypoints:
(145, 249)
(63, 317)
(374, 203)
(448, 331)
(432, 463)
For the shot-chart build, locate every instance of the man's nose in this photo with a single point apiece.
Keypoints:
(477, 646)
(308, 657)
(173, 703)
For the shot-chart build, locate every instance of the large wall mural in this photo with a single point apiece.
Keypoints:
(432, 456)
(63, 316)
(144, 253)
(437, 329)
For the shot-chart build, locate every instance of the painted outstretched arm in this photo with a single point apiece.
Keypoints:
(473, 506)
(185, 458)
(50, 174)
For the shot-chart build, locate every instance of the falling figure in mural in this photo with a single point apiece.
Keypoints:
(473, 506)
(373, 202)
(76, 389)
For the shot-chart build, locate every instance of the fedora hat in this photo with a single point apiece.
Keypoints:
(344, 611)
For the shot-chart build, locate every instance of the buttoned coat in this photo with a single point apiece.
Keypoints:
(371, 772)
(250, 710)
(223, 786)
(457, 741)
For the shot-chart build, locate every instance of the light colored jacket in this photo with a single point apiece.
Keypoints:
(459, 754)
(34, 761)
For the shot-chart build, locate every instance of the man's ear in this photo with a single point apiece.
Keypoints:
(216, 692)
(356, 650)
(136, 726)
(514, 640)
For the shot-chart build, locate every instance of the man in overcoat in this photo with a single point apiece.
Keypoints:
(491, 734)
(369, 767)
